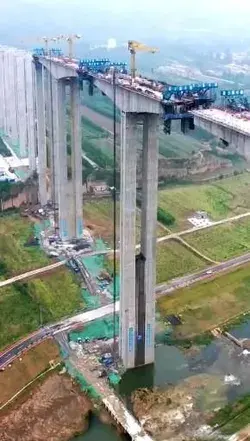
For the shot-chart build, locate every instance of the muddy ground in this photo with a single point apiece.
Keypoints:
(179, 412)
(55, 410)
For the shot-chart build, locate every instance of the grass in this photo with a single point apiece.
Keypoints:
(221, 199)
(174, 260)
(224, 241)
(209, 304)
(98, 216)
(233, 417)
(22, 305)
(14, 233)
(177, 145)
(35, 361)
(98, 102)
(92, 130)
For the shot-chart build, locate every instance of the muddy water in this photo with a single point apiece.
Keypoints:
(173, 365)
(98, 431)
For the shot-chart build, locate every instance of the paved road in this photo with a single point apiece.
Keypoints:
(190, 279)
(39, 271)
(85, 317)
(10, 353)
(45, 269)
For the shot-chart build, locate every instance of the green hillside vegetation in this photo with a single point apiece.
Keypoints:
(98, 102)
(54, 295)
(224, 198)
(224, 241)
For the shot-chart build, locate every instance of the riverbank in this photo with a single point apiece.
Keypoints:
(54, 410)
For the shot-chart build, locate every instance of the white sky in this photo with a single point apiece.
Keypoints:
(121, 17)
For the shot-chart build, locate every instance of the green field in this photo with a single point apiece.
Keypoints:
(223, 198)
(224, 241)
(24, 306)
(177, 145)
(209, 304)
(98, 215)
(98, 102)
(174, 260)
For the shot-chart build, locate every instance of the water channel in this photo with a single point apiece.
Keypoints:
(219, 359)
(98, 431)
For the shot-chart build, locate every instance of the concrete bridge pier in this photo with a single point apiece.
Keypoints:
(63, 91)
(41, 135)
(76, 156)
(67, 168)
(137, 302)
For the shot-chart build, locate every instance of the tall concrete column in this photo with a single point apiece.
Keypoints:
(149, 225)
(2, 101)
(21, 105)
(6, 94)
(30, 111)
(76, 157)
(62, 192)
(49, 125)
(41, 135)
(127, 239)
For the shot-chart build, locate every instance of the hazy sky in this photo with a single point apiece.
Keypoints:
(126, 19)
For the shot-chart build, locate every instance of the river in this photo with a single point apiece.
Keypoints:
(172, 365)
(98, 431)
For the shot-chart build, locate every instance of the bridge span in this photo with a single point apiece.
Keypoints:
(52, 98)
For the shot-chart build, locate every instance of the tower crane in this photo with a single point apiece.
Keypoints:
(46, 41)
(70, 39)
(134, 47)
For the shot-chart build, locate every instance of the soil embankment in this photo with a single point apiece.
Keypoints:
(56, 410)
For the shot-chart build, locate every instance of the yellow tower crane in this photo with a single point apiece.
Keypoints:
(134, 47)
(70, 39)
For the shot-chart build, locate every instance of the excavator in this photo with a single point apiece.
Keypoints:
(134, 47)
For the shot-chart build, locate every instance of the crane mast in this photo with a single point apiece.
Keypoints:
(70, 39)
(134, 47)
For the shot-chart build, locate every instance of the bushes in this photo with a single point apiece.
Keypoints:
(165, 217)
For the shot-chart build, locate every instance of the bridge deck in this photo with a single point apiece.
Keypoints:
(240, 122)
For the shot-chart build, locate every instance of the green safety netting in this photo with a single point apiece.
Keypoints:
(96, 264)
(41, 226)
(85, 386)
(114, 378)
(90, 302)
(101, 328)
(21, 174)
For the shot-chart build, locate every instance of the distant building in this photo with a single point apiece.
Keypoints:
(99, 187)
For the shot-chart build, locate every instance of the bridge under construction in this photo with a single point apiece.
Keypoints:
(40, 110)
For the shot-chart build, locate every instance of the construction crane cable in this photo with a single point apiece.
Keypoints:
(114, 209)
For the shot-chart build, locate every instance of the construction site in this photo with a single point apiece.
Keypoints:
(93, 266)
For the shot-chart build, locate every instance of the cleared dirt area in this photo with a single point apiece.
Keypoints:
(56, 410)
(25, 369)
